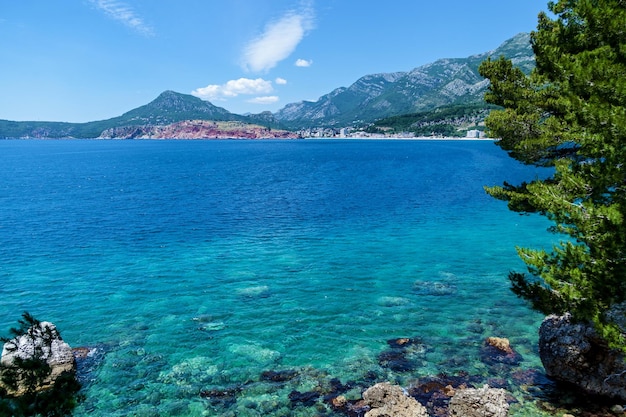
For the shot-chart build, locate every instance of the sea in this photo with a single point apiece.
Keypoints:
(259, 277)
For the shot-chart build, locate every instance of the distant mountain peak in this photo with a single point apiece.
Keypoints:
(171, 100)
(171, 107)
(447, 81)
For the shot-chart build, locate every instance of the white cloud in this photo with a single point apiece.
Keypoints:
(125, 14)
(303, 63)
(278, 41)
(264, 100)
(280, 81)
(233, 88)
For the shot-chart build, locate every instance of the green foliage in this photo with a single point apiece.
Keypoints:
(570, 114)
(447, 121)
(30, 373)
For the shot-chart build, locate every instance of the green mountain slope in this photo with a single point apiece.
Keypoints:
(169, 107)
(442, 83)
(449, 121)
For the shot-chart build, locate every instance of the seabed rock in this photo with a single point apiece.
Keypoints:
(88, 359)
(436, 288)
(279, 376)
(574, 353)
(222, 397)
(498, 350)
(402, 355)
(308, 398)
(435, 392)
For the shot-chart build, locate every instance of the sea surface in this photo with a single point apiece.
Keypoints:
(190, 268)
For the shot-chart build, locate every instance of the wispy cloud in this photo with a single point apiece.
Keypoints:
(280, 81)
(303, 63)
(234, 88)
(279, 39)
(264, 100)
(124, 13)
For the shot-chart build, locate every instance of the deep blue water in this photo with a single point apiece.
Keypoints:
(197, 265)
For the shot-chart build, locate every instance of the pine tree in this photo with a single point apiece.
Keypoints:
(21, 381)
(570, 114)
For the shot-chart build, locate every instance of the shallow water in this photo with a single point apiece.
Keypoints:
(197, 265)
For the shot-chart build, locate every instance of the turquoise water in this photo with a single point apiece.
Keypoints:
(189, 266)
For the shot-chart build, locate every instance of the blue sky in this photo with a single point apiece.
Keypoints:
(83, 60)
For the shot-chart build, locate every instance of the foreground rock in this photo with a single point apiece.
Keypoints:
(574, 353)
(386, 400)
(480, 402)
(41, 341)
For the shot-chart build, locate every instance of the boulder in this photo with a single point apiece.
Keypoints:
(44, 342)
(479, 402)
(573, 352)
(386, 400)
(497, 350)
(500, 343)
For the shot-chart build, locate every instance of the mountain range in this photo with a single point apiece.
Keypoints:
(442, 83)
(445, 82)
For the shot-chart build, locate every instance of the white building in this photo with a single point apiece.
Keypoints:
(475, 134)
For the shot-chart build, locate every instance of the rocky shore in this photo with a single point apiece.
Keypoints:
(197, 129)
(505, 385)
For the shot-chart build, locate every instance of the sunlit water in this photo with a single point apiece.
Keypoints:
(197, 265)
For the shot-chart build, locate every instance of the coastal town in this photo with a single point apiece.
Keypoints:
(352, 133)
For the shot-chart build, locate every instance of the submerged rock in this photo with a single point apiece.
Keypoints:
(392, 301)
(349, 408)
(305, 398)
(396, 360)
(388, 400)
(256, 353)
(437, 288)
(213, 327)
(574, 353)
(435, 392)
(88, 359)
(402, 355)
(221, 397)
(279, 376)
(259, 291)
(498, 350)
(403, 342)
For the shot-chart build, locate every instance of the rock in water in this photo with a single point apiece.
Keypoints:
(481, 402)
(574, 353)
(498, 350)
(500, 343)
(388, 400)
(41, 341)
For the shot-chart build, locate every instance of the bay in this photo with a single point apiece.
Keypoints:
(191, 266)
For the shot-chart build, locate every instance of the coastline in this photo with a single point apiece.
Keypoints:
(420, 138)
(347, 139)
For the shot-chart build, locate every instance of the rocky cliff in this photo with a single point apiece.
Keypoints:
(197, 129)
